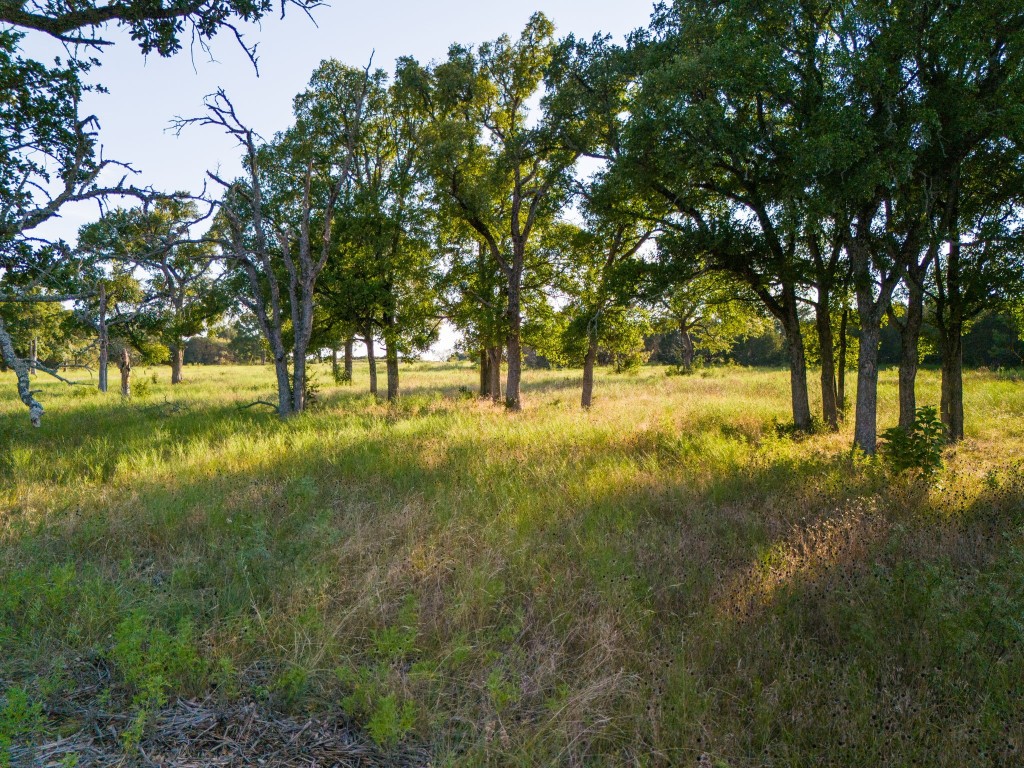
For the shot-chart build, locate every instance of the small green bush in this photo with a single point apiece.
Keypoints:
(919, 448)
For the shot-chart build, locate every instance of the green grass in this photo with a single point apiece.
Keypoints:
(664, 577)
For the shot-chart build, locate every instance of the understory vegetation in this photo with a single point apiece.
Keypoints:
(666, 579)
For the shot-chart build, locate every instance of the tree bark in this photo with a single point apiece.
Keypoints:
(910, 334)
(125, 364)
(33, 357)
(372, 360)
(588, 372)
(826, 344)
(177, 361)
(952, 401)
(485, 375)
(513, 396)
(334, 364)
(20, 368)
(391, 354)
(494, 371)
(348, 361)
(797, 363)
(104, 341)
(686, 340)
(865, 432)
(841, 383)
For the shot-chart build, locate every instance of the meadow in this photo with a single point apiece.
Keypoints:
(668, 579)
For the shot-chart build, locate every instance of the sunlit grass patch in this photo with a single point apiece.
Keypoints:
(664, 576)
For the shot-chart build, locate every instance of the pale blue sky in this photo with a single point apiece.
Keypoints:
(145, 94)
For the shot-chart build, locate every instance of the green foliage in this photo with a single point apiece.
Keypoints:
(20, 717)
(920, 448)
(152, 662)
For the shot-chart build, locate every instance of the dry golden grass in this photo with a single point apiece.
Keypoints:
(662, 578)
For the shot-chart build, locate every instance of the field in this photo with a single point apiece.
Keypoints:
(668, 579)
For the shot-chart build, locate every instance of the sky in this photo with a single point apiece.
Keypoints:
(146, 93)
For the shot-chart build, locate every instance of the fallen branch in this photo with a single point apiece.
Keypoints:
(258, 402)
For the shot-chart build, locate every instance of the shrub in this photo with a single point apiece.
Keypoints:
(918, 448)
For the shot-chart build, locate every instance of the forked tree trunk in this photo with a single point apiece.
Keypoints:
(177, 362)
(372, 360)
(125, 364)
(588, 372)
(348, 361)
(829, 395)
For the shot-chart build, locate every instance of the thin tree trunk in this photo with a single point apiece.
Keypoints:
(348, 361)
(829, 395)
(952, 401)
(104, 341)
(33, 356)
(125, 365)
(177, 361)
(391, 353)
(588, 372)
(485, 375)
(494, 371)
(797, 365)
(910, 334)
(513, 396)
(334, 363)
(841, 384)
(372, 360)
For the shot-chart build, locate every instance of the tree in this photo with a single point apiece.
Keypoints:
(278, 238)
(180, 286)
(496, 167)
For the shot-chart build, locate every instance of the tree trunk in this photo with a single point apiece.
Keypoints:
(910, 334)
(391, 352)
(686, 340)
(494, 371)
(177, 361)
(125, 365)
(20, 368)
(104, 341)
(284, 389)
(33, 358)
(829, 395)
(372, 360)
(952, 402)
(334, 364)
(513, 397)
(485, 375)
(348, 361)
(865, 432)
(588, 372)
(841, 384)
(797, 365)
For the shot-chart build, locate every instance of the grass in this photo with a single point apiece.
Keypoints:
(664, 579)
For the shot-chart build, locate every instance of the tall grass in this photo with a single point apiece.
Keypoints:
(662, 578)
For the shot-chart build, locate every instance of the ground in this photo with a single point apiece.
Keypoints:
(668, 579)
